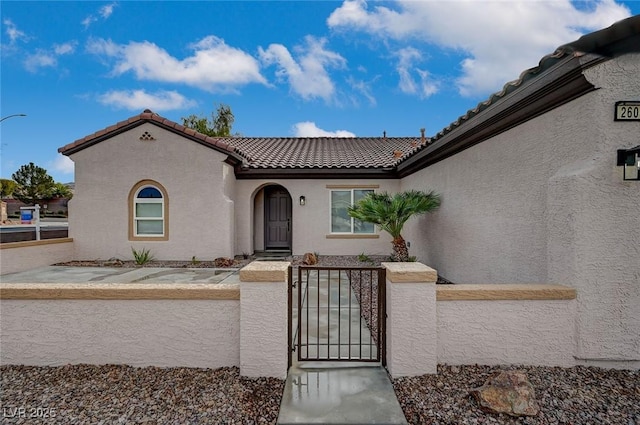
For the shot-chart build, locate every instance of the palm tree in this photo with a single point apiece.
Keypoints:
(392, 212)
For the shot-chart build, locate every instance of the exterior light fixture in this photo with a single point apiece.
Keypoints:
(629, 160)
(303, 200)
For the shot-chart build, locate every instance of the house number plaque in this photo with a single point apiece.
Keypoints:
(627, 111)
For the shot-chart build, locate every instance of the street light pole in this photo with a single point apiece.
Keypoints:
(11, 116)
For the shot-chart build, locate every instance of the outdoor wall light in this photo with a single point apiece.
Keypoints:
(303, 200)
(629, 160)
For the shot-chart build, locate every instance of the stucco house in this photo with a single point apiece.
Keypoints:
(530, 184)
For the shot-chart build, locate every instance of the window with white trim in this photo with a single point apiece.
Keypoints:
(148, 212)
(341, 221)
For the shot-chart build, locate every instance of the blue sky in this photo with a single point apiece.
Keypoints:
(286, 68)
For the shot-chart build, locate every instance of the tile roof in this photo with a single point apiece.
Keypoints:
(323, 152)
(146, 116)
(279, 152)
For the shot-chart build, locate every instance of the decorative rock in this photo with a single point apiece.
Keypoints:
(309, 259)
(507, 392)
(223, 262)
(113, 262)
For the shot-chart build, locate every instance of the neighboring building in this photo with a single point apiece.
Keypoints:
(531, 190)
(56, 206)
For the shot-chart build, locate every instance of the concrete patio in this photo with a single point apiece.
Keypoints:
(67, 274)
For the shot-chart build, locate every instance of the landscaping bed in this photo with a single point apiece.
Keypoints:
(122, 394)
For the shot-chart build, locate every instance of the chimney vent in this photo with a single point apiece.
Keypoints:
(384, 134)
(422, 138)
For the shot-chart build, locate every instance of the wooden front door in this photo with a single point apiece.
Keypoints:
(277, 210)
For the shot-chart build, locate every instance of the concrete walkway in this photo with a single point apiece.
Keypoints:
(331, 392)
(66, 274)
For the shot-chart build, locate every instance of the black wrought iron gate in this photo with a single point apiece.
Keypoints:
(337, 314)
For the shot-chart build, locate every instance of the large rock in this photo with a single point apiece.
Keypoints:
(507, 392)
(309, 259)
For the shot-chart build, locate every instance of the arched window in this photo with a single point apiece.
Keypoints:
(148, 211)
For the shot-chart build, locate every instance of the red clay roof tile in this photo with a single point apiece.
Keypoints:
(283, 153)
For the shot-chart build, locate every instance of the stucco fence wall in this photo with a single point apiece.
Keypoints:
(211, 326)
(140, 325)
(506, 323)
(20, 256)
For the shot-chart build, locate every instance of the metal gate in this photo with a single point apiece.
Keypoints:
(337, 314)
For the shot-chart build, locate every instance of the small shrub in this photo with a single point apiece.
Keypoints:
(413, 259)
(364, 258)
(142, 257)
(245, 255)
(194, 260)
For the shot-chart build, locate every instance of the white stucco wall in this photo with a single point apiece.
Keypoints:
(164, 333)
(200, 190)
(545, 202)
(264, 313)
(411, 340)
(20, 256)
(263, 343)
(310, 223)
(495, 332)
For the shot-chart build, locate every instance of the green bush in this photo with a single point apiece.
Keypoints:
(364, 258)
(142, 257)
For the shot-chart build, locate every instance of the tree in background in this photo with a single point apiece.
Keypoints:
(392, 212)
(33, 184)
(61, 190)
(7, 187)
(219, 125)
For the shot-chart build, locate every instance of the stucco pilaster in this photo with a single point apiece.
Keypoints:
(411, 319)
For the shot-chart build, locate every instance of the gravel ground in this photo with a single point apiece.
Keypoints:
(83, 394)
(576, 396)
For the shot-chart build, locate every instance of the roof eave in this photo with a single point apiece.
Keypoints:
(559, 85)
(314, 173)
(233, 157)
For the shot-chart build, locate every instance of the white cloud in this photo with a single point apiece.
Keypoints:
(500, 38)
(104, 12)
(309, 129)
(139, 100)
(63, 164)
(214, 66)
(364, 88)
(308, 76)
(13, 32)
(65, 48)
(40, 59)
(425, 86)
(48, 58)
(86, 22)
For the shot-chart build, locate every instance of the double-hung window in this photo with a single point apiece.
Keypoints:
(341, 222)
(148, 212)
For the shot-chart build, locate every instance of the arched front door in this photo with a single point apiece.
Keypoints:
(277, 218)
